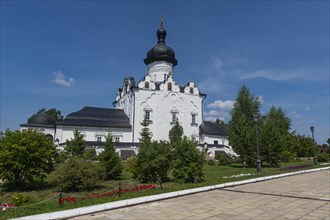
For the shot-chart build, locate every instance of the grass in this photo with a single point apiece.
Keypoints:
(46, 200)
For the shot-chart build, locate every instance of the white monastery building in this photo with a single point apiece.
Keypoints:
(157, 97)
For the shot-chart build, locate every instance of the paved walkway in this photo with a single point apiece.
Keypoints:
(305, 196)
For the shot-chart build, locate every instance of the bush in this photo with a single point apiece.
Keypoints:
(188, 162)
(153, 162)
(223, 160)
(323, 157)
(26, 157)
(75, 175)
(21, 199)
(211, 162)
(131, 165)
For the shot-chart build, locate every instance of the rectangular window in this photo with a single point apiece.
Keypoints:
(174, 118)
(147, 115)
(117, 139)
(193, 118)
(215, 142)
(98, 138)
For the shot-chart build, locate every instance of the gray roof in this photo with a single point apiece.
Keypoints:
(209, 127)
(40, 120)
(97, 117)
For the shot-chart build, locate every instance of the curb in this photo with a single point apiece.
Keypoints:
(140, 200)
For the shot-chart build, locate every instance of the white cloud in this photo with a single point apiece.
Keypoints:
(272, 75)
(307, 109)
(60, 79)
(219, 109)
(225, 105)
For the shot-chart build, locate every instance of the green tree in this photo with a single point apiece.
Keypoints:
(25, 157)
(289, 153)
(56, 114)
(110, 162)
(221, 124)
(77, 145)
(188, 162)
(154, 158)
(176, 132)
(242, 135)
(274, 129)
(306, 146)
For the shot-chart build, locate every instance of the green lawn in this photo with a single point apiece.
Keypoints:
(46, 200)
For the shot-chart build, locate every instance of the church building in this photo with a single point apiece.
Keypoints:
(156, 98)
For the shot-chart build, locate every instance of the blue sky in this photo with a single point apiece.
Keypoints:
(71, 54)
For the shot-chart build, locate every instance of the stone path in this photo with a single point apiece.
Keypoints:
(305, 196)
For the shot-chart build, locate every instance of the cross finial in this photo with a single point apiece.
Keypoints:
(161, 22)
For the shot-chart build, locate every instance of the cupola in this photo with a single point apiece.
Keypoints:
(161, 52)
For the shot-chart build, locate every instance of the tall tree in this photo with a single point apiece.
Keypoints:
(274, 129)
(154, 158)
(110, 161)
(242, 135)
(53, 112)
(25, 156)
(77, 145)
(188, 161)
(221, 124)
(176, 132)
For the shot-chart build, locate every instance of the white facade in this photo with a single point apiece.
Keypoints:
(158, 98)
(92, 134)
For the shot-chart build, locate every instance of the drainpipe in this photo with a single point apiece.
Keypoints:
(133, 121)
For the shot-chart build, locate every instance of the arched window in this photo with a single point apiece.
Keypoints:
(169, 86)
(191, 89)
(146, 85)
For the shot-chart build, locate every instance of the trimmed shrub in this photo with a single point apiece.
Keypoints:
(75, 175)
(223, 160)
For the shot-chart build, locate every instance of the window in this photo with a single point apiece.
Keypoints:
(117, 139)
(146, 85)
(147, 115)
(98, 138)
(193, 118)
(191, 89)
(174, 117)
(169, 86)
(215, 142)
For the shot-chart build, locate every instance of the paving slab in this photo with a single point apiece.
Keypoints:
(304, 196)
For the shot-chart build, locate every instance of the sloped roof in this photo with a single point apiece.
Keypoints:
(97, 117)
(40, 120)
(208, 127)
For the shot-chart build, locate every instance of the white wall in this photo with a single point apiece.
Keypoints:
(46, 131)
(209, 139)
(64, 133)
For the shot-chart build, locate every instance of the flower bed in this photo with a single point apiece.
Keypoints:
(5, 206)
(71, 199)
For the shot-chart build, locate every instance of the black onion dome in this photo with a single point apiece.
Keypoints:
(161, 52)
(41, 119)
